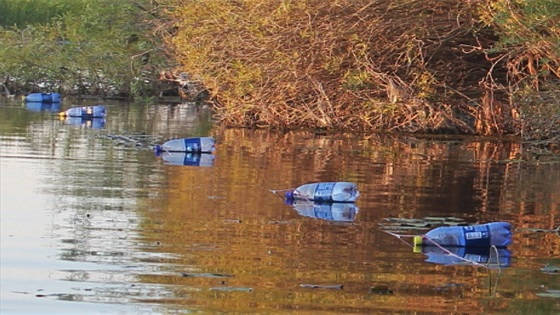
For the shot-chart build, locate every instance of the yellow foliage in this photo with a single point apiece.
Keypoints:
(314, 63)
(425, 84)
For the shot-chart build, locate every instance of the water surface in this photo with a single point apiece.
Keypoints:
(93, 222)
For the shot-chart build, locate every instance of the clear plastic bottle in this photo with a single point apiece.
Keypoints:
(201, 144)
(88, 112)
(325, 192)
(482, 235)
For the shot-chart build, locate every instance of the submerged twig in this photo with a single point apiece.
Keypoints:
(398, 236)
(322, 286)
(497, 257)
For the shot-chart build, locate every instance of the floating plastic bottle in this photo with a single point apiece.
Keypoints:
(188, 158)
(325, 192)
(40, 106)
(87, 112)
(330, 211)
(482, 235)
(201, 144)
(453, 255)
(95, 123)
(43, 97)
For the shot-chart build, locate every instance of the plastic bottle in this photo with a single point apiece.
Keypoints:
(331, 211)
(201, 144)
(88, 112)
(43, 97)
(453, 255)
(188, 158)
(325, 192)
(482, 235)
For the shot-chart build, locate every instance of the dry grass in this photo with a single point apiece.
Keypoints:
(402, 65)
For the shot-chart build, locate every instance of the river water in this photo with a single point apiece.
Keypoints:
(93, 222)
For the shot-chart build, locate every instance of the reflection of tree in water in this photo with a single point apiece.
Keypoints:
(423, 175)
(100, 187)
(265, 245)
(142, 223)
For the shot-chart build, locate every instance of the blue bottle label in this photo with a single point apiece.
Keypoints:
(323, 192)
(193, 145)
(477, 236)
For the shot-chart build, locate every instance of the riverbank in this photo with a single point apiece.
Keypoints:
(478, 67)
(95, 47)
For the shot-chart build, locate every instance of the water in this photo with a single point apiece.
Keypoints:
(94, 224)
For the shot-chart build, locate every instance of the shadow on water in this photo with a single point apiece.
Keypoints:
(134, 232)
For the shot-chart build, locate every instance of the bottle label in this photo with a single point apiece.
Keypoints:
(477, 235)
(323, 192)
(192, 145)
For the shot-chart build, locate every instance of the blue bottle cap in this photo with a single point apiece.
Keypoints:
(289, 197)
(157, 149)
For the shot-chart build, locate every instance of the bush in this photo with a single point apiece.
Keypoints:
(95, 46)
(528, 47)
(364, 65)
(353, 64)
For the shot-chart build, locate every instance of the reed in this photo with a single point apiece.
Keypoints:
(416, 66)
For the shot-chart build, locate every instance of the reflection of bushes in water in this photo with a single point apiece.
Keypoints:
(97, 46)
(395, 65)
(494, 175)
(499, 177)
(384, 166)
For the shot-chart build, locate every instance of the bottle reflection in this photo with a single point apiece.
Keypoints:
(330, 211)
(42, 106)
(451, 255)
(95, 123)
(188, 158)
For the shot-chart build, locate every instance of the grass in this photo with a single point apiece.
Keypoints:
(99, 47)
